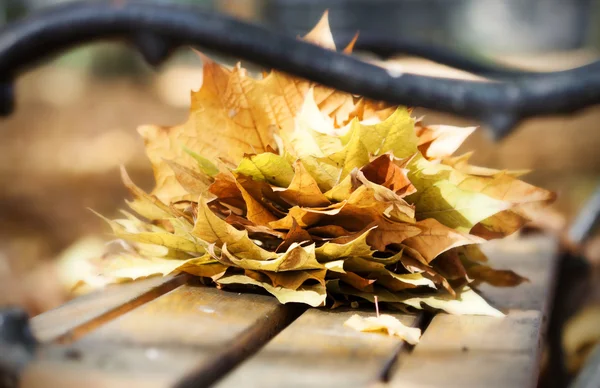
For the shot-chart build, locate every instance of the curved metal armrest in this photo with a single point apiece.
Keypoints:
(156, 29)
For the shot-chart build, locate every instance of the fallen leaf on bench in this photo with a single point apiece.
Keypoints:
(385, 324)
(316, 195)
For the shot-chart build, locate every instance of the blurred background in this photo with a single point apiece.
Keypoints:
(77, 116)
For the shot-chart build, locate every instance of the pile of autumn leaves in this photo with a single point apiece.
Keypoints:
(318, 197)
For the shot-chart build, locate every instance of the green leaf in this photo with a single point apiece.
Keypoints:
(204, 164)
(354, 155)
(439, 198)
(395, 134)
(130, 230)
(267, 167)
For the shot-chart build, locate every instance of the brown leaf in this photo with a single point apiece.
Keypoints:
(255, 211)
(389, 232)
(303, 190)
(448, 265)
(295, 235)
(436, 238)
(146, 205)
(495, 277)
(527, 202)
(194, 182)
(306, 216)
(293, 280)
(355, 281)
(472, 253)
(225, 188)
(328, 231)
(383, 171)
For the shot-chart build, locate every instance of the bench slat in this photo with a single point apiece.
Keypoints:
(61, 320)
(476, 351)
(192, 329)
(317, 350)
(200, 334)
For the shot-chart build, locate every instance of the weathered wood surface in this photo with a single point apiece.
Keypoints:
(196, 336)
(190, 330)
(318, 351)
(60, 321)
(474, 351)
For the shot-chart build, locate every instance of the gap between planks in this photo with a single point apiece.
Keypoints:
(192, 334)
(200, 348)
(475, 351)
(317, 350)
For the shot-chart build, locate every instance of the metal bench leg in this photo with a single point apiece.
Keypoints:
(17, 345)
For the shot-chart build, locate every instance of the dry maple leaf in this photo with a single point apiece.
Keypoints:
(385, 323)
(313, 194)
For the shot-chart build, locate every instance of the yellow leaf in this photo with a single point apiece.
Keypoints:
(321, 33)
(255, 211)
(303, 190)
(74, 265)
(460, 163)
(436, 238)
(239, 106)
(440, 196)
(467, 302)
(397, 208)
(200, 267)
(212, 229)
(335, 266)
(126, 266)
(306, 216)
(526, 202)
(159, 237)
(385, 323)
(314, 295)
(295, 279)
(441, 141)
(267, 167)
(355, 281)
(395, 282)
(341, 191)
(295, 258)
(396, 135)
(325, 174)
(193, 182)
(357, 247)
(354, 155)
(146, 205)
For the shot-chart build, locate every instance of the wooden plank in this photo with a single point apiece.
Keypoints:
(318, 351)
(194, 331)
(62, 320)
(534, 257)
(475, 351)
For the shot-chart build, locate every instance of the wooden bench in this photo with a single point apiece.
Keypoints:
(174, 332)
